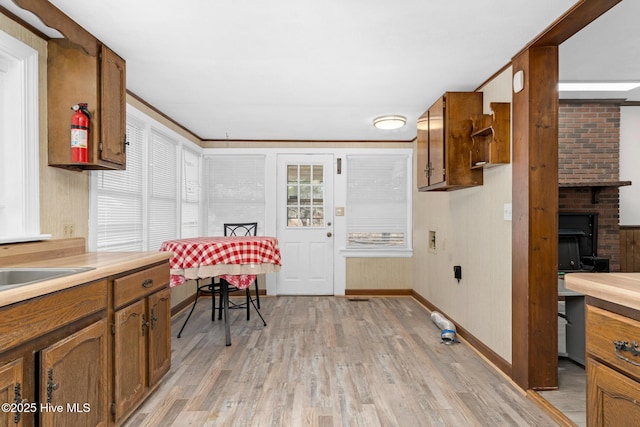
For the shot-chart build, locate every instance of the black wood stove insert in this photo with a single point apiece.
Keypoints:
(578, 244)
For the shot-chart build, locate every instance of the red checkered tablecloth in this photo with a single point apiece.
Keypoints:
(236, 259)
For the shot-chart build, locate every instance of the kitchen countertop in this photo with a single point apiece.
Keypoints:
(619, 288)
(564, 292)
(104, 264)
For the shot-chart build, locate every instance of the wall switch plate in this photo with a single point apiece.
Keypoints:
(508, 213)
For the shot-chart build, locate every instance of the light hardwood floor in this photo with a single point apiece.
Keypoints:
(330, 361)
(571, 396)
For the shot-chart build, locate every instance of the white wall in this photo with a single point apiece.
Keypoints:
(471, 232)
(629, 161)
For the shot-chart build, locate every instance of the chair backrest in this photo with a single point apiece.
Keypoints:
(241, 229)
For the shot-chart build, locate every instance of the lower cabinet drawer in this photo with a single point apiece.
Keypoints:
(35, 317)
(137, 285)
(613, 339)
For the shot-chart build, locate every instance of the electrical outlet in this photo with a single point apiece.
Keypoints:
(68, 230)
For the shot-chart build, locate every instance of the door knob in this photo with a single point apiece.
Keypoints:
(329, 234)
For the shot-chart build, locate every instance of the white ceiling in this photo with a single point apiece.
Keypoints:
(323, 70)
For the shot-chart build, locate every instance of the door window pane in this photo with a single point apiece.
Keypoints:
(305, 195)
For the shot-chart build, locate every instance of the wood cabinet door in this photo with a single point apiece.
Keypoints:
(159, 334)
(611, 397)
(422, 152)
(71, 79)
(437, 143)
(113, 106)
(129, 357)
(11, 385)
(73, 379)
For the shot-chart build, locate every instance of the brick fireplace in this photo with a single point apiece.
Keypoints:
(588, 163)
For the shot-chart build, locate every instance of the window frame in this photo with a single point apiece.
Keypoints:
(382, 251)
(21, 75)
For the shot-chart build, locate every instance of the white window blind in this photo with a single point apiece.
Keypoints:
(235, 191)
(163, 190)
(377, 201)
(157, 197)
(190, 194)
(120, 198)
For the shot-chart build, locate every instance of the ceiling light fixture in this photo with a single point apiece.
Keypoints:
(389, 122)
(597, 86)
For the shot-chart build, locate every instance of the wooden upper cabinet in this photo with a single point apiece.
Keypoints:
(437, 168)
(114, 107)
(491, 135)
(444, 142)
(73, 77)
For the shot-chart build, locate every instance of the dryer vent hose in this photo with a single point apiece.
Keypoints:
(448, 334)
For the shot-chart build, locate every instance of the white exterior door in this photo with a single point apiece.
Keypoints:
(305, 224)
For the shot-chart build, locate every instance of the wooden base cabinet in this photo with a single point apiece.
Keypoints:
(612, 398)
(11, 384)
(87, 355)
(142, 336)
(613, 368)
(159, 335)
(53, 362)
(73, 379)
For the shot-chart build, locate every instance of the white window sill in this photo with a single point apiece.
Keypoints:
(376, 253)
(27, 238)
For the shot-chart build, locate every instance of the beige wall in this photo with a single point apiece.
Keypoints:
(379, 274)
(470, 232)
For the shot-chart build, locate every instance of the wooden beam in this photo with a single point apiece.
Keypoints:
(575, 19)
(54, 18)
(535, 221)
(535, 199)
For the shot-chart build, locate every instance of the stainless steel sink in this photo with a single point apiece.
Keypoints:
(14, 277)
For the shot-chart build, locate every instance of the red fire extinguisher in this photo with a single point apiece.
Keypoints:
(80, 133)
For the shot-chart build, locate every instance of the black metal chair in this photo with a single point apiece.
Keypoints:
(208, 289)
(242, 229)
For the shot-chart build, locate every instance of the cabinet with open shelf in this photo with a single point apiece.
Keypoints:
(491, 135)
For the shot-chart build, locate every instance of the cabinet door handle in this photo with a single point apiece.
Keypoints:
(625, 346)
(51, 386)
(147, 283)
(17, 400)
